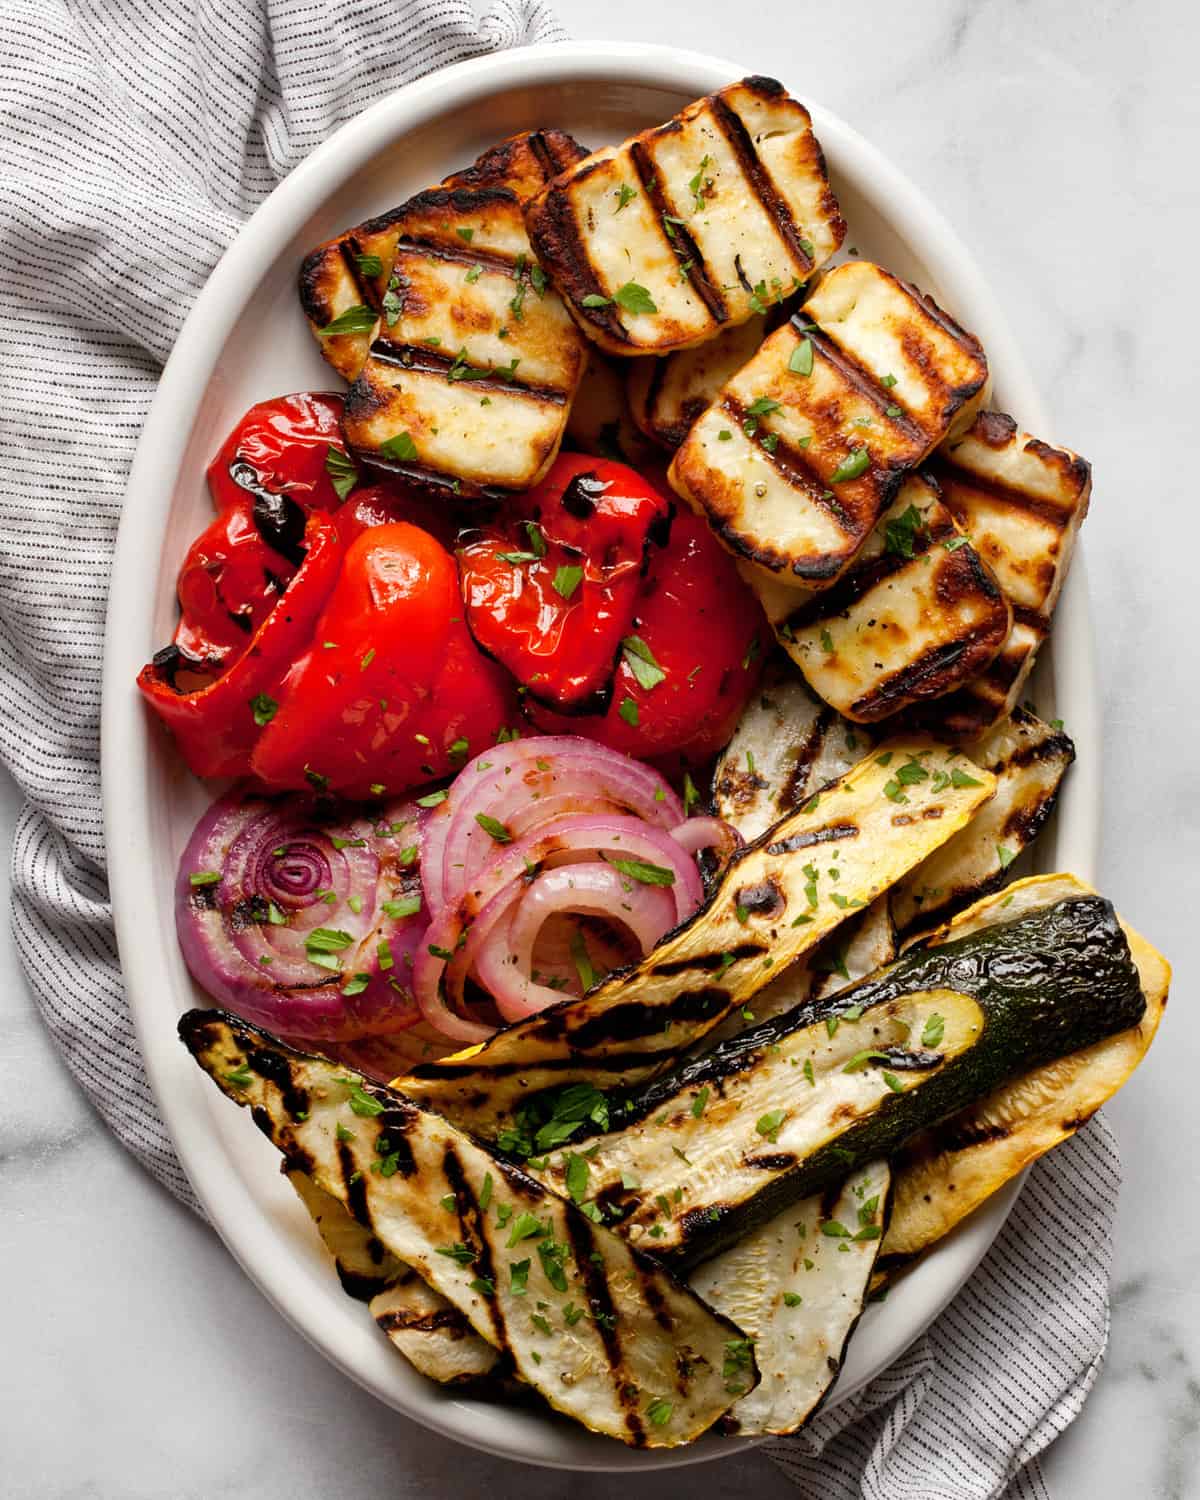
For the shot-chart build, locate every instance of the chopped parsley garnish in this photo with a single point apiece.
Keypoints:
(356, 984)
(357, 319)
(432, 799)
(403, 906)
(700, 1101)
(343, 474)
(634, 298)
(629, 711)
(519, 1274)
(641, 662)
(690, 795)
(834, 1230)
(240, 1076)
(369, 265)
(857, 461)
(582, 960)
(526, 1226)
(659, 1411)
(792, 1299)
(399, 447)
(697, 184)
(577, 1176)
(1005, 856)
(801, 362)
(769, 1124)
(363, 1104)
(460, 1254)
(625, 194)
(204, 877)
(494, 828)
(643, 871)
(567, 579)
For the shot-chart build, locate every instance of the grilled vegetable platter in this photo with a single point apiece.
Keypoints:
(616, 692)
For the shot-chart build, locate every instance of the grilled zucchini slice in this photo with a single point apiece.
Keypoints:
(1022, 503)
(472, 373)
(916, 615)
(787, 745)
(797, 1285)
(352, 270)
(947, 1172)
(769, 906)
(623, 1336)
(1029, 760)
(433, 1335)
(788, 1107)
(428, 1330)
(808, 444)
(711, 217)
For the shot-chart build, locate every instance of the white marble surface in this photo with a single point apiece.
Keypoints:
(1061, 140)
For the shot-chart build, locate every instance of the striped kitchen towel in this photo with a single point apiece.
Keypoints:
(134, 140)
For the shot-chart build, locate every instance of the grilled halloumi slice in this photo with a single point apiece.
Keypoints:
(600, 421)
(617, 1339)
(1029, 760)
(667, 394)
(697, 224)
(469, 381)
(808, 444)
(1022, 503)
(348, 276)
(786, 746)
(917, 614)
(767, 909)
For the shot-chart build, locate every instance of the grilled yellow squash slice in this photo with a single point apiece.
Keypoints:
(347, 277)
(797, 1286)
(808, 444)
(1022, 503)
(680, 231)
(472, 373)
(950, 1170)
(619, 1345)
(787, 745)
(766, 910)
(916, 615)
(1029, 760)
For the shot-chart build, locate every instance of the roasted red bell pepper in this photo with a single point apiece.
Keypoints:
(391, 686)
(692, 657)
(292, 445)
(231, 580)
(216, 714)
(550, 592)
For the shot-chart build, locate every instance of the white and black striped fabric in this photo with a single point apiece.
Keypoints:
(135, 137)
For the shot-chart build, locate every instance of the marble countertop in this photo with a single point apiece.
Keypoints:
(1060, 140)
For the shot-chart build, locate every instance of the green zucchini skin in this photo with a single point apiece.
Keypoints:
(1048, 984)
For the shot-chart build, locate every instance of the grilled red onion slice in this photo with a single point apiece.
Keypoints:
(648, 860)
(522, 786)
(303, 922)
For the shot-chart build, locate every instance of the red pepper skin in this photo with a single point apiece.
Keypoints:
(706, 631)
(213, 721)
(230, 581)
(355, 709)
(381, 504)
(281, 446)
(587, 514)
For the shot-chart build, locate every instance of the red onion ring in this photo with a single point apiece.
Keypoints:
(524, 785)
(257, 880)
(456, 935)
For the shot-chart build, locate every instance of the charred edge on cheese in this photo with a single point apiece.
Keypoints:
(683, 246)
(558, 240)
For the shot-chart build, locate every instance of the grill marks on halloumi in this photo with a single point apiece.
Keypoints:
(1022, 502)
(469, 382)
(352, 270)
(809, 442)
(668, 394)
(716, 214)
(916, 615)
